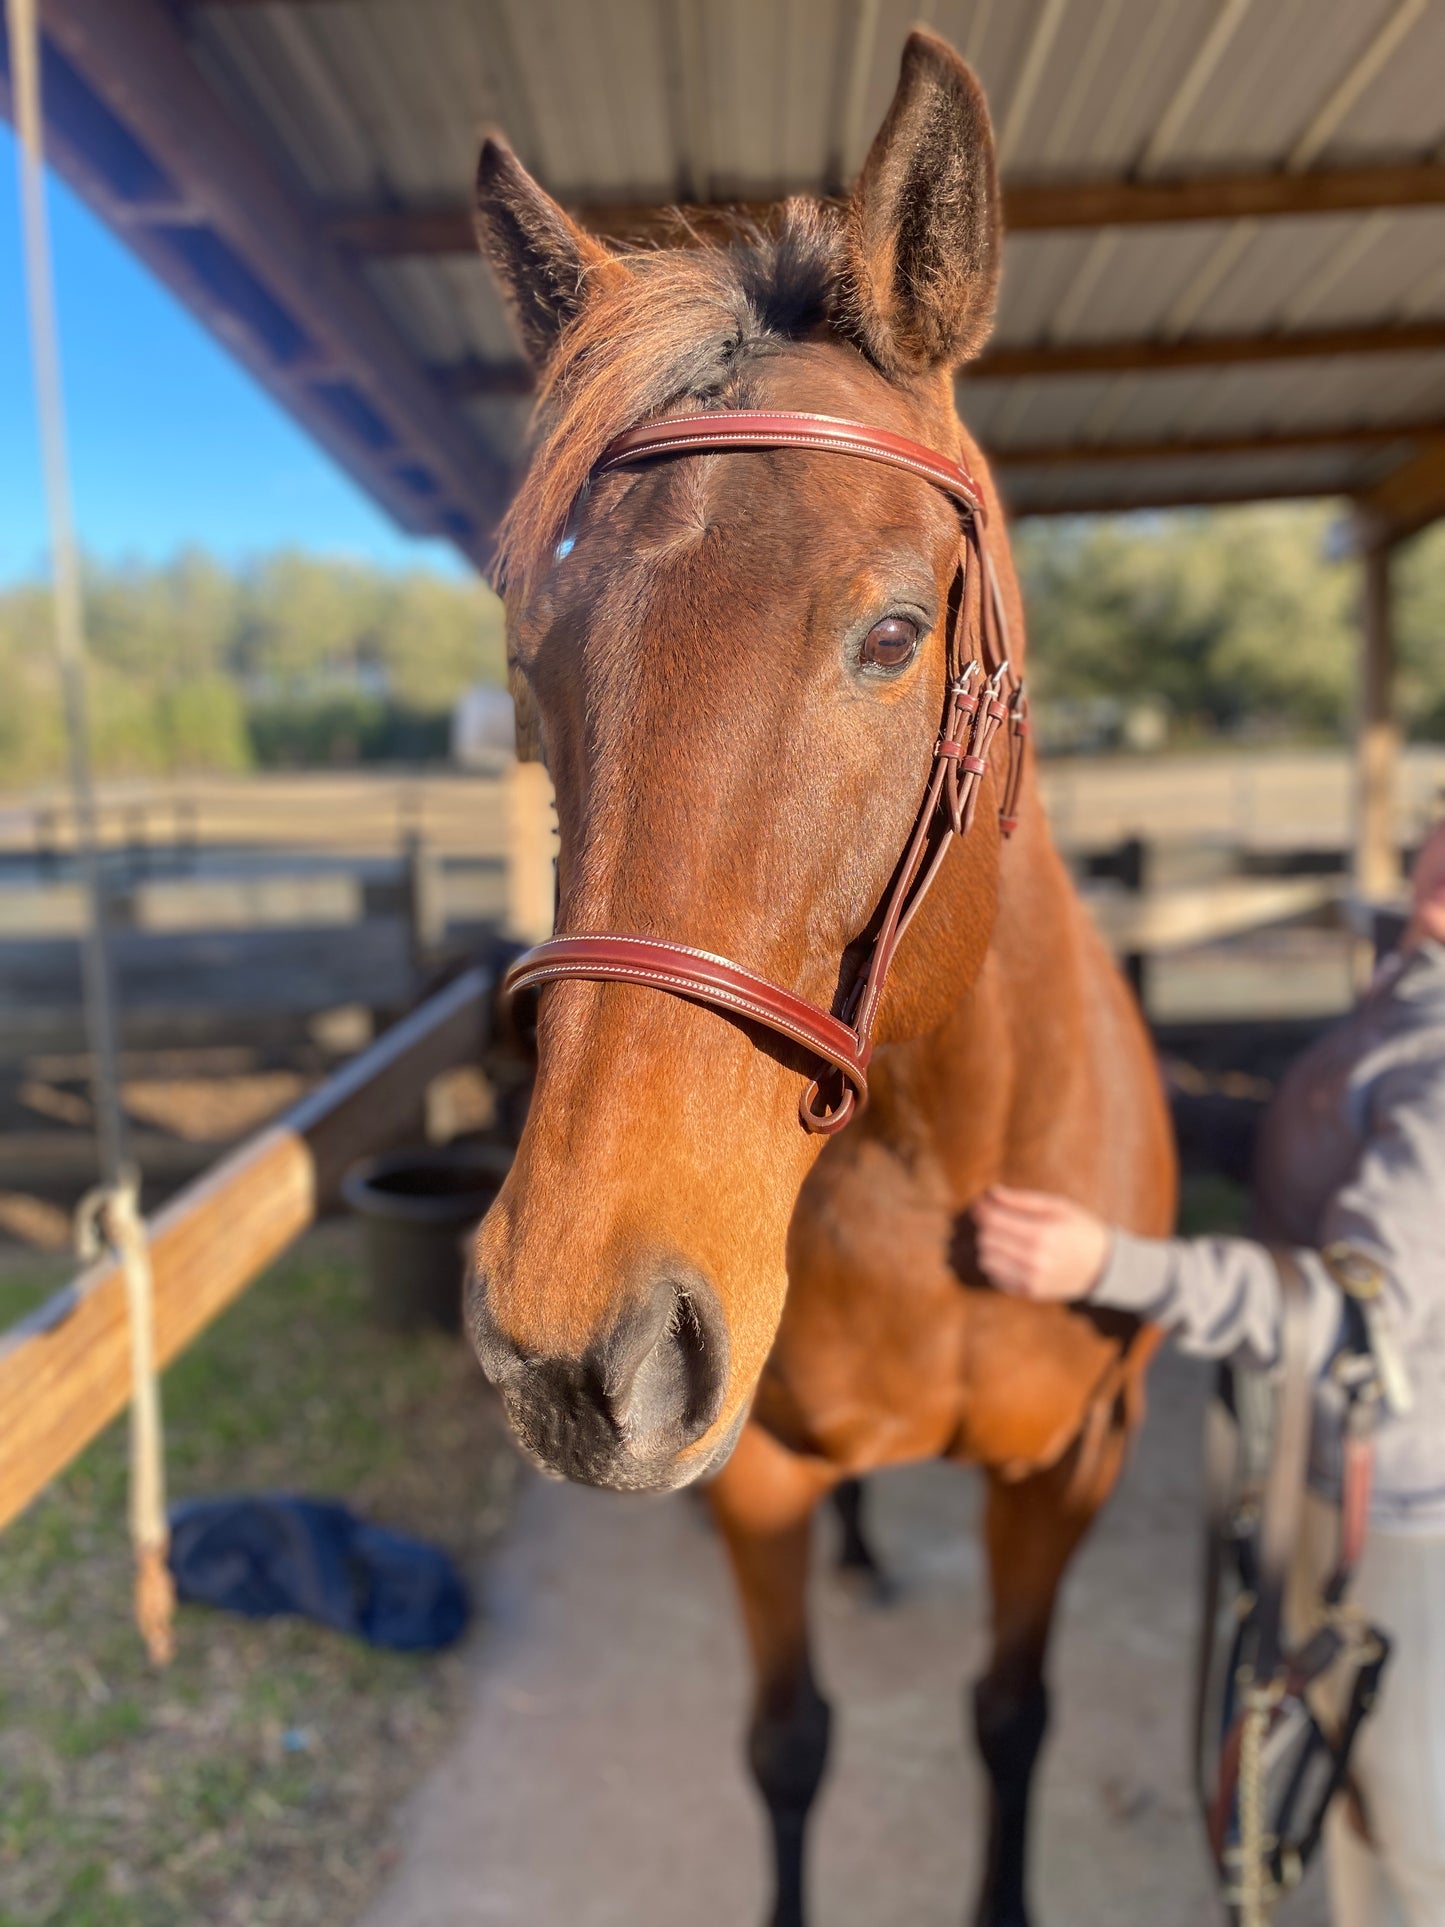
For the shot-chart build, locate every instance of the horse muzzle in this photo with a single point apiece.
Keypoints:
(625, 1412)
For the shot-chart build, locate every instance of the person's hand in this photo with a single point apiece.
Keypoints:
(1036, 1245)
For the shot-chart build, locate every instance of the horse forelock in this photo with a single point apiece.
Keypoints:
(663, 327)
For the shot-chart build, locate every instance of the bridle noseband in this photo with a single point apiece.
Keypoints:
(982, 698)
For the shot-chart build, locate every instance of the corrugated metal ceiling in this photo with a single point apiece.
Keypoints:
(377, 104)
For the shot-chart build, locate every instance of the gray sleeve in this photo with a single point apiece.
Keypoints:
(1393, 1206)
(1220, 1296)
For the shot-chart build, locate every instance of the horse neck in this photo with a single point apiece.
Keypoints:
(1014, 1058)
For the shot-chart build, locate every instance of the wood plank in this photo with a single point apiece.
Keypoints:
(1346, 435)
(1177, 919)
(65, 1370)
(1029, 207)
(1035, 361)
(1199, 493)
(295, 969)
(1409, 498)
(1377, 736)
(39, 1160)
(246, 903)
(1039, 361)
(1033, 207)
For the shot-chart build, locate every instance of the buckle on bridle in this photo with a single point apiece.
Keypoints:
(973, 717)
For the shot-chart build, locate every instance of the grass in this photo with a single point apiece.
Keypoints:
(1210, 1205)
(28, 1280)
(250, 1782)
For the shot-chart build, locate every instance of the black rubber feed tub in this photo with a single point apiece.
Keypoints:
(419, 1209)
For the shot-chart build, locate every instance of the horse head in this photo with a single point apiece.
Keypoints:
(736, 665)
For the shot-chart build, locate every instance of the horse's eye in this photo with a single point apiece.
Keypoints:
(891, 643)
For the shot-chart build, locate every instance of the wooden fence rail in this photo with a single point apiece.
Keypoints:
(65, 1370)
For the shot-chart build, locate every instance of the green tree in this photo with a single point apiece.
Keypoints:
(1232, 618)
(296, 657)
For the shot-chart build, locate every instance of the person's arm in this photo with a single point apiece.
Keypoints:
(1220, 1296)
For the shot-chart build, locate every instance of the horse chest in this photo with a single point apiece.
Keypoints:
(892, 1348)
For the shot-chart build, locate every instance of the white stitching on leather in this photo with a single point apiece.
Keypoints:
(744, 433)
(604, 972)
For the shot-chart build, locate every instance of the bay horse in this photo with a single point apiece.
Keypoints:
(735, 659)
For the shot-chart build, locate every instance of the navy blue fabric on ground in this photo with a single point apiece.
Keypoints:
(273, 1553)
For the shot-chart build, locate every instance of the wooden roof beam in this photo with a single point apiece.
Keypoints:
(1201, 351)
(1030, 207)
(477, 379)
(1408, 499)
(1284, 442)
(1143, 501)
(446, 228)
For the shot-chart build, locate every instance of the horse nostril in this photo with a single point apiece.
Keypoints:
(666, 1386)
(618, 1412)
(497, 1355)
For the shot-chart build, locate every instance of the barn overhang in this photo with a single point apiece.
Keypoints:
(1222, 281)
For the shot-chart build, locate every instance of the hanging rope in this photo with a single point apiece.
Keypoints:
(109, 1221)
(110, 1217)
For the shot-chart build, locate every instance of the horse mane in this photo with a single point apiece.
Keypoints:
(663, 326)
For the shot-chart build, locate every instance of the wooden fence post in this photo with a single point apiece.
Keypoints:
(426, 897)
(1376, 865)
(531, 853)
(1134, 875)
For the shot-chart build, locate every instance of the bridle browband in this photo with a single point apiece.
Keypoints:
(982, 698)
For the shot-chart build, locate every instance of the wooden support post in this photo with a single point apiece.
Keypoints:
(1376, 858)
(531, 854)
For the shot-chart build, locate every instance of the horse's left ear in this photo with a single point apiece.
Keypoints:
(540, 256)
(923, 222)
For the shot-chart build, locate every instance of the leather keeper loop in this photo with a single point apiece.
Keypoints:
(822, 1122)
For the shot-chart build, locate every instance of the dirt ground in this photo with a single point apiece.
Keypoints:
(598, 1779)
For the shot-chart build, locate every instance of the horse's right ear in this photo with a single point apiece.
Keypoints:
(540, 256)
(923, 222)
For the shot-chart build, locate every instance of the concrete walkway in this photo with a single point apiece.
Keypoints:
(598, 1778)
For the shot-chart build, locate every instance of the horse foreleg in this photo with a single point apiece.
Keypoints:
(763, 1502)
(1031, 1529)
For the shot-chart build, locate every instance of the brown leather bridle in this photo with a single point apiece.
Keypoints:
(982, 697)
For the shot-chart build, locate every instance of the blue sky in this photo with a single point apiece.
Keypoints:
(171, 442)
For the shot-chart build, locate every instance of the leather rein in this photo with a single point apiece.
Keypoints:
(982, 698)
